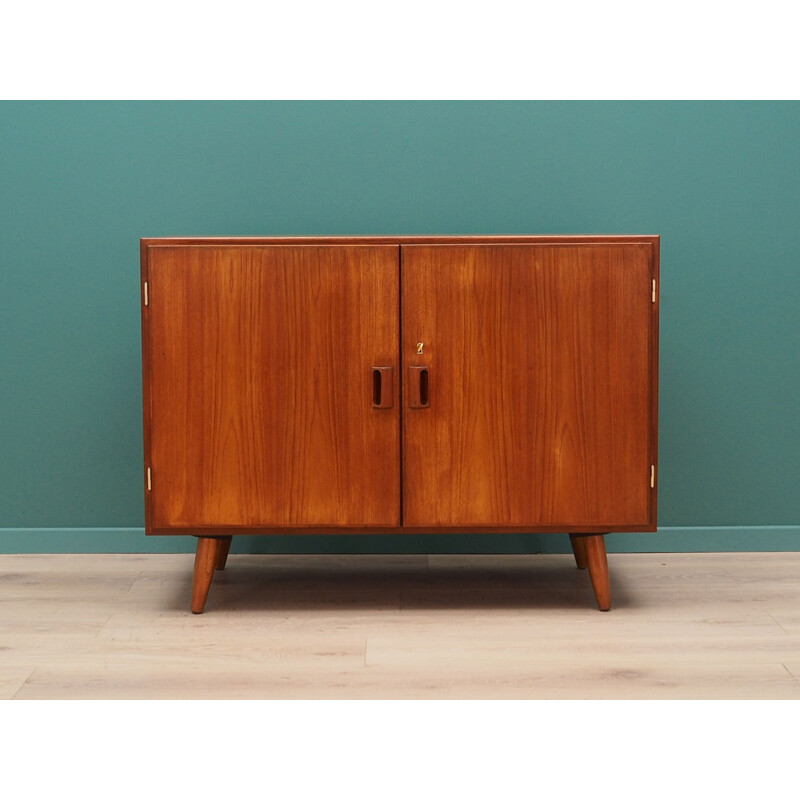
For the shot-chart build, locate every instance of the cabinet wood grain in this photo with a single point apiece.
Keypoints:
(540, 406)
(261, 386)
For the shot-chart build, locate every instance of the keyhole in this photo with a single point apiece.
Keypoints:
(420, 345)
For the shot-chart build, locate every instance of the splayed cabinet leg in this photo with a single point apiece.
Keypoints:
(595, 547)
(222, 554)
(579, 549)
(205, 560)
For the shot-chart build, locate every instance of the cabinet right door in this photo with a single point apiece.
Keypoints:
(529, 385)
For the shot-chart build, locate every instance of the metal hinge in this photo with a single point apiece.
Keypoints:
(652, 476)
(652, 293)
(146, 296)
(149, 480)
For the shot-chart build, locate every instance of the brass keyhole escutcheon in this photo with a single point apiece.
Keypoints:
(420, 345)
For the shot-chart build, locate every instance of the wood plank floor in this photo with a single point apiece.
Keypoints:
(681, 626)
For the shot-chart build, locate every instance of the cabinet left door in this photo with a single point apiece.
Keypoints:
(264, 406)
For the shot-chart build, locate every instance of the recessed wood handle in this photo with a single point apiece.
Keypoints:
(382, 388)
(419, 387)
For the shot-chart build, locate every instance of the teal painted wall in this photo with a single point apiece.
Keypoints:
(81, 182)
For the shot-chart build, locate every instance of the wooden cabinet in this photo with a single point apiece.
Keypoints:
(420, 384)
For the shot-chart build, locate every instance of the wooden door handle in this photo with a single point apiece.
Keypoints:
(419, 387)
(382, 388)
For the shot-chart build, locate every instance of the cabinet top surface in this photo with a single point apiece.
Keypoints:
(396, 240)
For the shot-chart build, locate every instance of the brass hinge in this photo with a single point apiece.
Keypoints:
(146, 296)
(652, 476)
(652, 293)
(149, 480)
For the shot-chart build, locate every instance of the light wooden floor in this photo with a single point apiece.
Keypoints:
(681, 626)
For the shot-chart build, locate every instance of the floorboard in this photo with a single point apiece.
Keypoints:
(682, 626)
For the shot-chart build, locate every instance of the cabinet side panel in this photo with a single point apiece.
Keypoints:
(261, 384)
(539, 386)
(146, 382)
(655, 267)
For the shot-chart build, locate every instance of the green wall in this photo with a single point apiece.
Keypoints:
(81, 182)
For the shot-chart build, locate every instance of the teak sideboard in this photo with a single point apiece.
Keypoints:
(400, 384)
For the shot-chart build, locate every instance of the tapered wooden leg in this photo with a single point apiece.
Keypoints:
(222, 553)
(204, 562)
(597, 562)
(579, 549)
